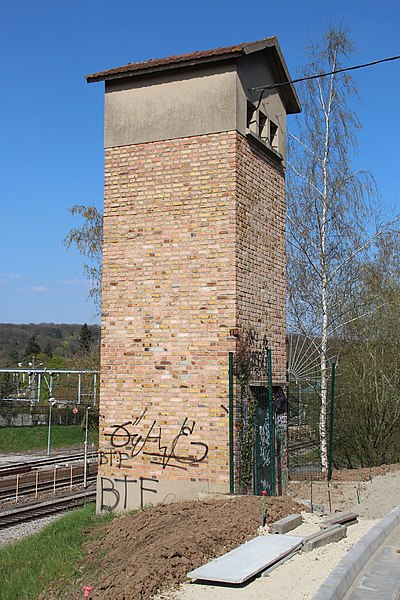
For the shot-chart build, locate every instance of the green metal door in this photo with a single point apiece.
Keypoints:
(264, 454)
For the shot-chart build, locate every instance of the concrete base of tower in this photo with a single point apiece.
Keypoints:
(125, 493)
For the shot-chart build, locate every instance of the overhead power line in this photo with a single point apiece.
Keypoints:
(271, 86)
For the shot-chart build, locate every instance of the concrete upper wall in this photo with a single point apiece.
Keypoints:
(165, 107)
(253, 70)
(195, 101)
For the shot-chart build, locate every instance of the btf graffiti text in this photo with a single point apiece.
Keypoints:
(119, 497)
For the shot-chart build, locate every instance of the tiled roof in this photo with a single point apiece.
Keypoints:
(180, 60)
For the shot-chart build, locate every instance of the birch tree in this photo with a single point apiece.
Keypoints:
(332, 221)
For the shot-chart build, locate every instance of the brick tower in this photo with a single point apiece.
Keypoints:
(194, 252)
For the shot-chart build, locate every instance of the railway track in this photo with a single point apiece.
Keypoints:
(25, 467)
(30, 512)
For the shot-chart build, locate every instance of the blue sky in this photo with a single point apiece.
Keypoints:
(51, 152)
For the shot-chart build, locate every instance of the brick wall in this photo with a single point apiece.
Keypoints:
(169, 300)
(193, 246)
(261, 250)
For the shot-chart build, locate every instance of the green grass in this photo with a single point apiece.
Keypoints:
(48, 559)
(20, 439)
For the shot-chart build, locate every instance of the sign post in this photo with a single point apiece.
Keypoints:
(52, 401)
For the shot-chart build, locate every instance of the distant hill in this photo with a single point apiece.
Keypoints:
(61, 339)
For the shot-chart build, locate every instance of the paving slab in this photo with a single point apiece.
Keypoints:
(249, 559)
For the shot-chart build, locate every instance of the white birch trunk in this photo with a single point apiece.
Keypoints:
(324, 389)
(324, 280)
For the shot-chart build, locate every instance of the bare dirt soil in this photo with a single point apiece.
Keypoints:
(141, 554)
(364, 473)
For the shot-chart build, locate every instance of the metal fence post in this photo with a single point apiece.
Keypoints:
(94, 388)
(271, 422)
(231, 463)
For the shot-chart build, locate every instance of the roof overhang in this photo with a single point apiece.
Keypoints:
(270, 46)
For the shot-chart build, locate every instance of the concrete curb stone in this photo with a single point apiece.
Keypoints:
(334, 533)
(286, 524)
(339, 581)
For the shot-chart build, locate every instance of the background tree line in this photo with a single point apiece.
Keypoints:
(49, 343)
(46, 346)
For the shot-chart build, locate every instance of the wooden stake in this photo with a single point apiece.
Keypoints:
(70, 486)
(311, 498)
(54, 481)
(36, 484)
(16, 488)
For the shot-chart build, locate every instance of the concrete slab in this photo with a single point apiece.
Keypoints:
(246, 561)
(286, 524)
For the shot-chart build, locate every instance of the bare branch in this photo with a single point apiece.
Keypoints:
(304, 178)
(365, 245)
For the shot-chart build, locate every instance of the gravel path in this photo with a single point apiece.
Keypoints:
(13, 534)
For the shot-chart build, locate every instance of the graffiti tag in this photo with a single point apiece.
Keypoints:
(265, 450)
(151, 444)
